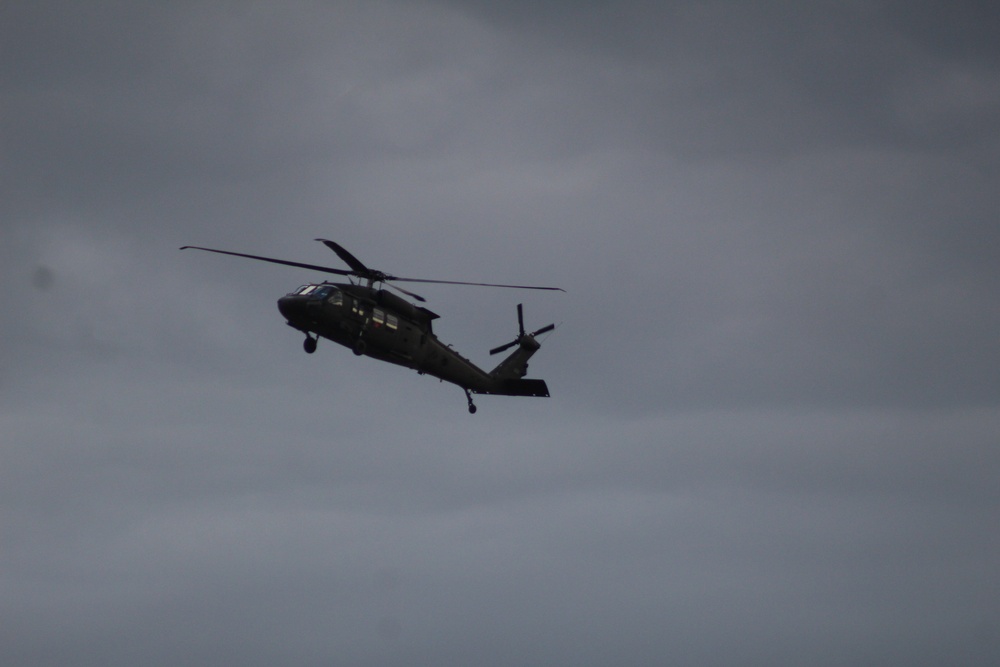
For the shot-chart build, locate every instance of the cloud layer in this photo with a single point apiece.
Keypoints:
(772, 436)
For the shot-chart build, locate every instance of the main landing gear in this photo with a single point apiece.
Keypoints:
(359, 347)
(309, 344)
(472, 406)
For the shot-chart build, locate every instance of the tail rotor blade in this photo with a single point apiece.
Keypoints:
(544, 329)
(505, 347)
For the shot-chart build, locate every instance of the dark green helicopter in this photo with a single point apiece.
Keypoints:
(374, 322)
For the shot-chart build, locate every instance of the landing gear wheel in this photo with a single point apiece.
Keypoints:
(309, 344)
(472, 409)
(359, 347)
(472, 406)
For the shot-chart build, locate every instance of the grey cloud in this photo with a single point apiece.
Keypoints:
(771, 435)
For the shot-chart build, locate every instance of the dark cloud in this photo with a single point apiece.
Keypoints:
(771, 435)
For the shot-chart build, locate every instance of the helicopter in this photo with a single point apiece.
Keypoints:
(374, 322)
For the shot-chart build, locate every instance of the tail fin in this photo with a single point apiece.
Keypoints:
(515, 366)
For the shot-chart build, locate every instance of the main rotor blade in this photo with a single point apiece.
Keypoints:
(460, 282)
(348, 258)
(406, 292)
(314, 267)
(363, 271)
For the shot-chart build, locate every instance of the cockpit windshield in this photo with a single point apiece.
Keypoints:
(320, 292)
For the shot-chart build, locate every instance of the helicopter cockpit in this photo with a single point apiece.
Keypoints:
(321, 292)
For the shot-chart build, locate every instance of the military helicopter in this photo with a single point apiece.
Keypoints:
(377, 323)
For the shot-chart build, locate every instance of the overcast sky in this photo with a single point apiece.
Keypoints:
(773, 431)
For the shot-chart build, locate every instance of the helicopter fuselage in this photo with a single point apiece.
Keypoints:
(379, 324)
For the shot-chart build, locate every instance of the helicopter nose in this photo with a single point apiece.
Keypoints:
(292, 307)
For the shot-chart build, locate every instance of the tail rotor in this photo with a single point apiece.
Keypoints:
(522, 336)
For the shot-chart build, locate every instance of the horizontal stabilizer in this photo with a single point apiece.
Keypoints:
(520, 387)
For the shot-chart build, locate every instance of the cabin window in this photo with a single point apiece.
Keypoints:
(391, 322)
(378, 318)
